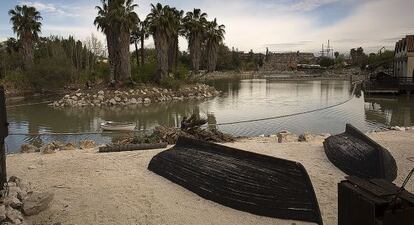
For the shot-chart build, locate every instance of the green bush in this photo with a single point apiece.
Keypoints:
(16, 80)
(169, 82)
(51, 73)
(144, 74)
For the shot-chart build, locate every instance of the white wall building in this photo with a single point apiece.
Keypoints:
(404, 57)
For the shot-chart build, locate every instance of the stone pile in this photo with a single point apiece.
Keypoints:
(134, 96)
(18, 201)
(397, 128)
(56, 146)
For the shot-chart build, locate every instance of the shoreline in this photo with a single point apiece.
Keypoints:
(134, 195)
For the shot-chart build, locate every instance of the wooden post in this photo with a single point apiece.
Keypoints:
(3, 134)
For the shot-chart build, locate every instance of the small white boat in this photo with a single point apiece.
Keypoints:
(117, 126)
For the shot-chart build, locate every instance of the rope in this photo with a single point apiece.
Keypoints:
(290, 115)
(29, 104)
(74, 134)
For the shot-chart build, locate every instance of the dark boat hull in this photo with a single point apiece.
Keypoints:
(241, 180)
(357, 155)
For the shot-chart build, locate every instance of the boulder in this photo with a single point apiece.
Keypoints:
(286, 136)
(397, 128)
(2, 212)
(147, 101)
(101, 98)
(87, 144)
(74, 98)
(68, 147)
(117, 99)
(133, 101)
(306, 137)
(13, 215)
(36, 203)
(112, 101)
(48, 149)
(12, 201)
(27, 148)
(101, 92)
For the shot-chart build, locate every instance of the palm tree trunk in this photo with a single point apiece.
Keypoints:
(124, 64)
(161, 45)
(142, 48)
(172, 54)
(212, 56)
(27, 48)
(195, 52)
(136, 52)
(111, 55)
(177, 50)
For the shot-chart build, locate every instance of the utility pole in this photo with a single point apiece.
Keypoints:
(4, 132)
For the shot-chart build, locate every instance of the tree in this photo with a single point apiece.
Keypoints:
(214, 37)
(140, 33)
(27, 26)
(195, 26)
(161, 28)
(116, 18)
(177, 29)
(336, 55)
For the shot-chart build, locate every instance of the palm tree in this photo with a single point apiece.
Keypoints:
(195, 25)
(214, 37)
(27, 26)
(140, 33)
(116, 18)
(177, 30)
(103, 23)
(161, 28)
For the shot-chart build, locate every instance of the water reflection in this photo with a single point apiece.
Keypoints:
(390, 111)
(240, 100)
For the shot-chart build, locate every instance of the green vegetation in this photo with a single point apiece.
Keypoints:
(47, 63)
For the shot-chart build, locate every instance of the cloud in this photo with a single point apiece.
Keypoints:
(49, 8)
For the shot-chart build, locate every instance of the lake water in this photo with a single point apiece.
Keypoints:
(240, 100)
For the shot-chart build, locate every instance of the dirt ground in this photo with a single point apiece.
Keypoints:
(116, 188)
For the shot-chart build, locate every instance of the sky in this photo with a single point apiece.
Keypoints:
(280, 25)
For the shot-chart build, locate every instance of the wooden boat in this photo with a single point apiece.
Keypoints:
(242, 180)
(117, 126)
(358, 155)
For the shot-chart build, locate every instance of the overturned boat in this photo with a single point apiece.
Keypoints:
(242, 180)
(358, 155)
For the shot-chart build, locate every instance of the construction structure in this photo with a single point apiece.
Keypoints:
(327, 51)
(404, 58)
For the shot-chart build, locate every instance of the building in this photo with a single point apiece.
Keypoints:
(404, 57)
(287, 61)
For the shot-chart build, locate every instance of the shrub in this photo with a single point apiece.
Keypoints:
(16, 80)
(51, 73)
(145, 73)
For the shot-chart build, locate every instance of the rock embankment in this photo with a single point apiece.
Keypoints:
(56, 146)
(134, 96)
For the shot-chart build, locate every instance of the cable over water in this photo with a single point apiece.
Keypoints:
(293, 114)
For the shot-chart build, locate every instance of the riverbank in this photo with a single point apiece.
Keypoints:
(116, 188)
(353, 74)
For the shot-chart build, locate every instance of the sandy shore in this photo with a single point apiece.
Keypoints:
(116, 188)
